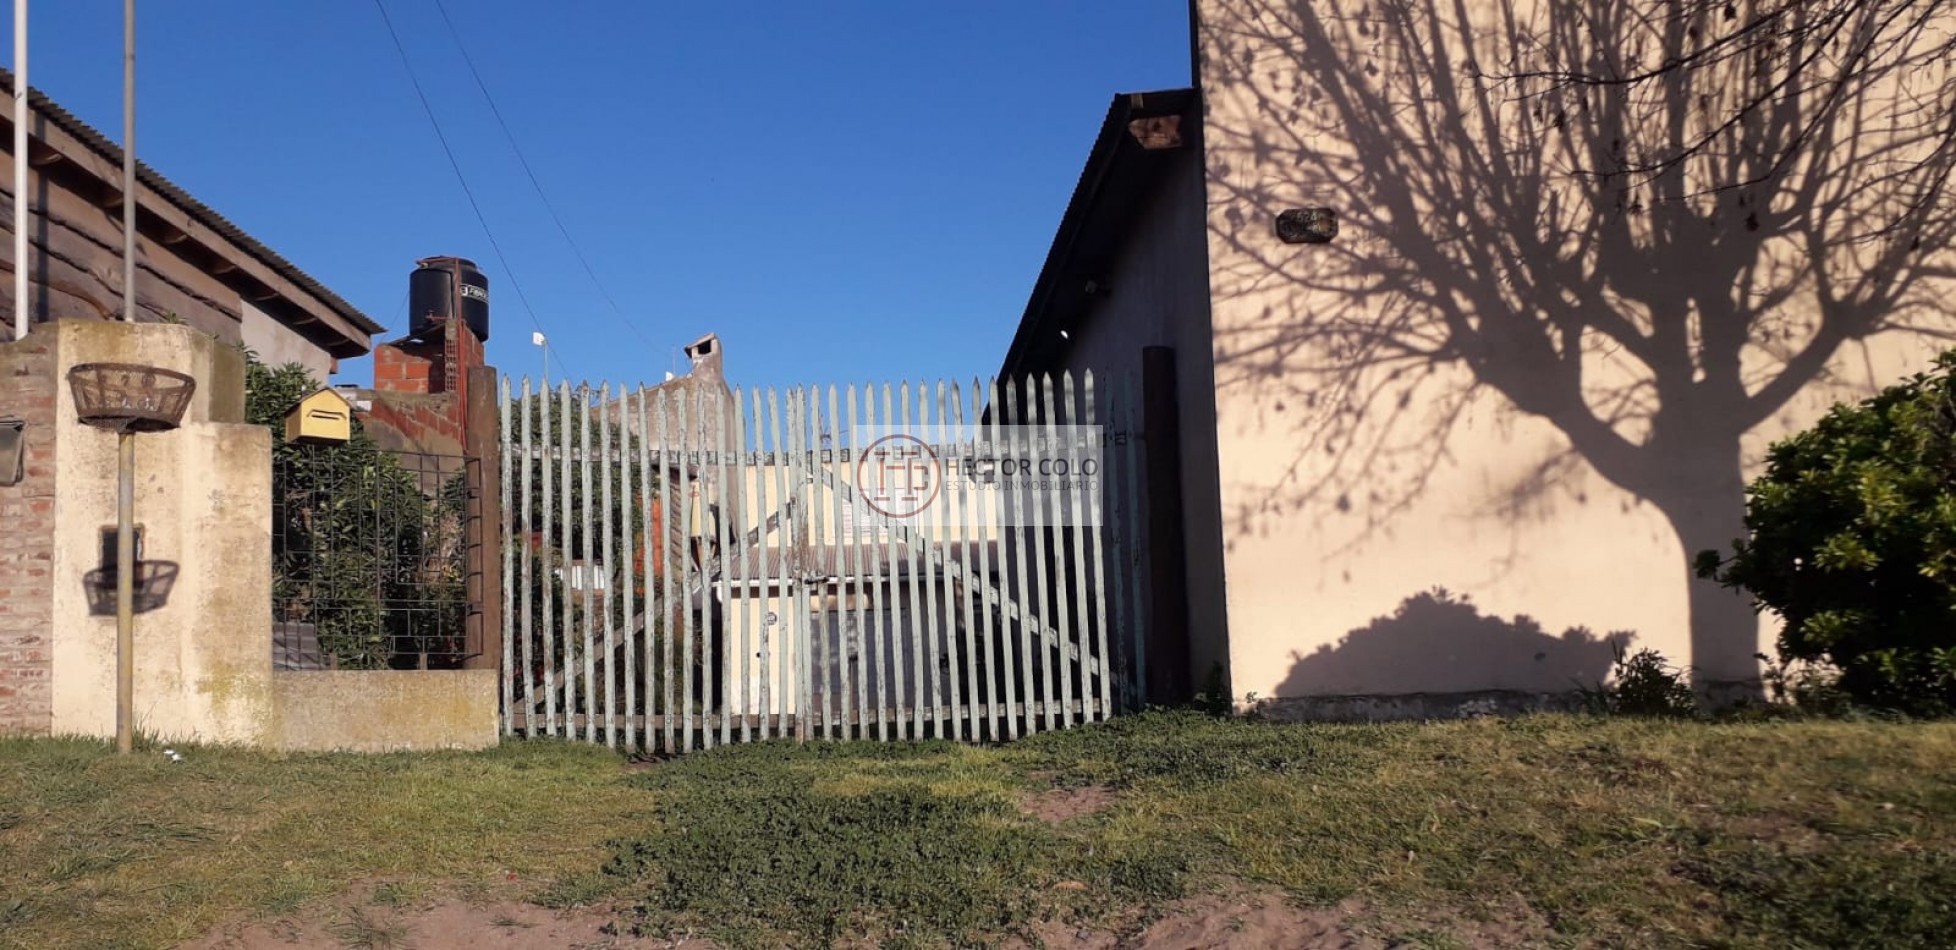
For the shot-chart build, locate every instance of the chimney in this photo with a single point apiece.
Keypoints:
(705, 356)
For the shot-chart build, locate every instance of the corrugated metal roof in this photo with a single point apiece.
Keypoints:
(53, 112)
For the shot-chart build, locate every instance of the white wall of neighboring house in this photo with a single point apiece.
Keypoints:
(277, 344)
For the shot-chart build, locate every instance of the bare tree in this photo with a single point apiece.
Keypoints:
(1649, 222)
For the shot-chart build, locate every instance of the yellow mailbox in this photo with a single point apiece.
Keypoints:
(324, 416)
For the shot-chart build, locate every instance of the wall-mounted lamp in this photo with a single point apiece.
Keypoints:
(13, 451)
(1307, 226)
(125, 399)
(153, 579)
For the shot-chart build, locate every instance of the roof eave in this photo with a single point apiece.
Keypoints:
(357, 330)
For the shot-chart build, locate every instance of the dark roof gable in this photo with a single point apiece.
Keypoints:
(1141, 130)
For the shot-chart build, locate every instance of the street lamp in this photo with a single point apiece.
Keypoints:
(126, 399)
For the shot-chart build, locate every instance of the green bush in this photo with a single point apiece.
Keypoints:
(1852, 542)
(1644, 683)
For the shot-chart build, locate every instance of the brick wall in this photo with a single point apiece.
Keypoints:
(408, 423)
(27, 392)
(407, 367)
(420, 400)
(461, 352)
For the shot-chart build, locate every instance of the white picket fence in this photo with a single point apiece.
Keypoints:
(689, 565)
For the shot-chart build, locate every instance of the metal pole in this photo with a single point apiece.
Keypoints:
(129, 161)
(20, 169)
(125, 594)
(125, 532)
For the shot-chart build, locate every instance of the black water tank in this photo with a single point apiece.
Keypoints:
(442, 286)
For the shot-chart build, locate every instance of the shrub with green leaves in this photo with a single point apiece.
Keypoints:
(1644, 683)
(361, 548)
(1852, 542)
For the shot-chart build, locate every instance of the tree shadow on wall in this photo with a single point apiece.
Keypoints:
(1647, 225)
(1438, 642)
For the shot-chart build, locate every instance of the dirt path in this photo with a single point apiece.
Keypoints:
(444, 924)
(1237, 921)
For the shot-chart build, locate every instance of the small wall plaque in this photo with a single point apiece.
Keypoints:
(1307, 226)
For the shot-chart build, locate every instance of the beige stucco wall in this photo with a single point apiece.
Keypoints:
(202, 660)
(384, 710)
(745, 628)
(1340, 502)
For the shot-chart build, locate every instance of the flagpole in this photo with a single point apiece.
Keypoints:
(129, 161)
(21, 109)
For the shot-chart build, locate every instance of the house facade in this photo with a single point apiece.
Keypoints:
(777, 547)
(1456, 410)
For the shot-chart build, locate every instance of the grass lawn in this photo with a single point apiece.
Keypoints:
(1546, 830)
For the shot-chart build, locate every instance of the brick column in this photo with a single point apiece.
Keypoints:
(27, 393)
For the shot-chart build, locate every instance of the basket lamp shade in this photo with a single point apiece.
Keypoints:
(152, 583)
(125, 397)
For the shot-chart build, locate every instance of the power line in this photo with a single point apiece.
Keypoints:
(525, 162)
(462, 179)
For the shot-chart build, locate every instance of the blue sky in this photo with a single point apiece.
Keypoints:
(842, 190)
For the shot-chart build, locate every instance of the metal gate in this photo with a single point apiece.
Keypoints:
(689, 564)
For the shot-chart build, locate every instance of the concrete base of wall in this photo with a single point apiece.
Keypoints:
(1412, 706)
(384, 710)
(1416, 707)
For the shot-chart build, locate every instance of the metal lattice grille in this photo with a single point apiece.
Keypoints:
(369, 553)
